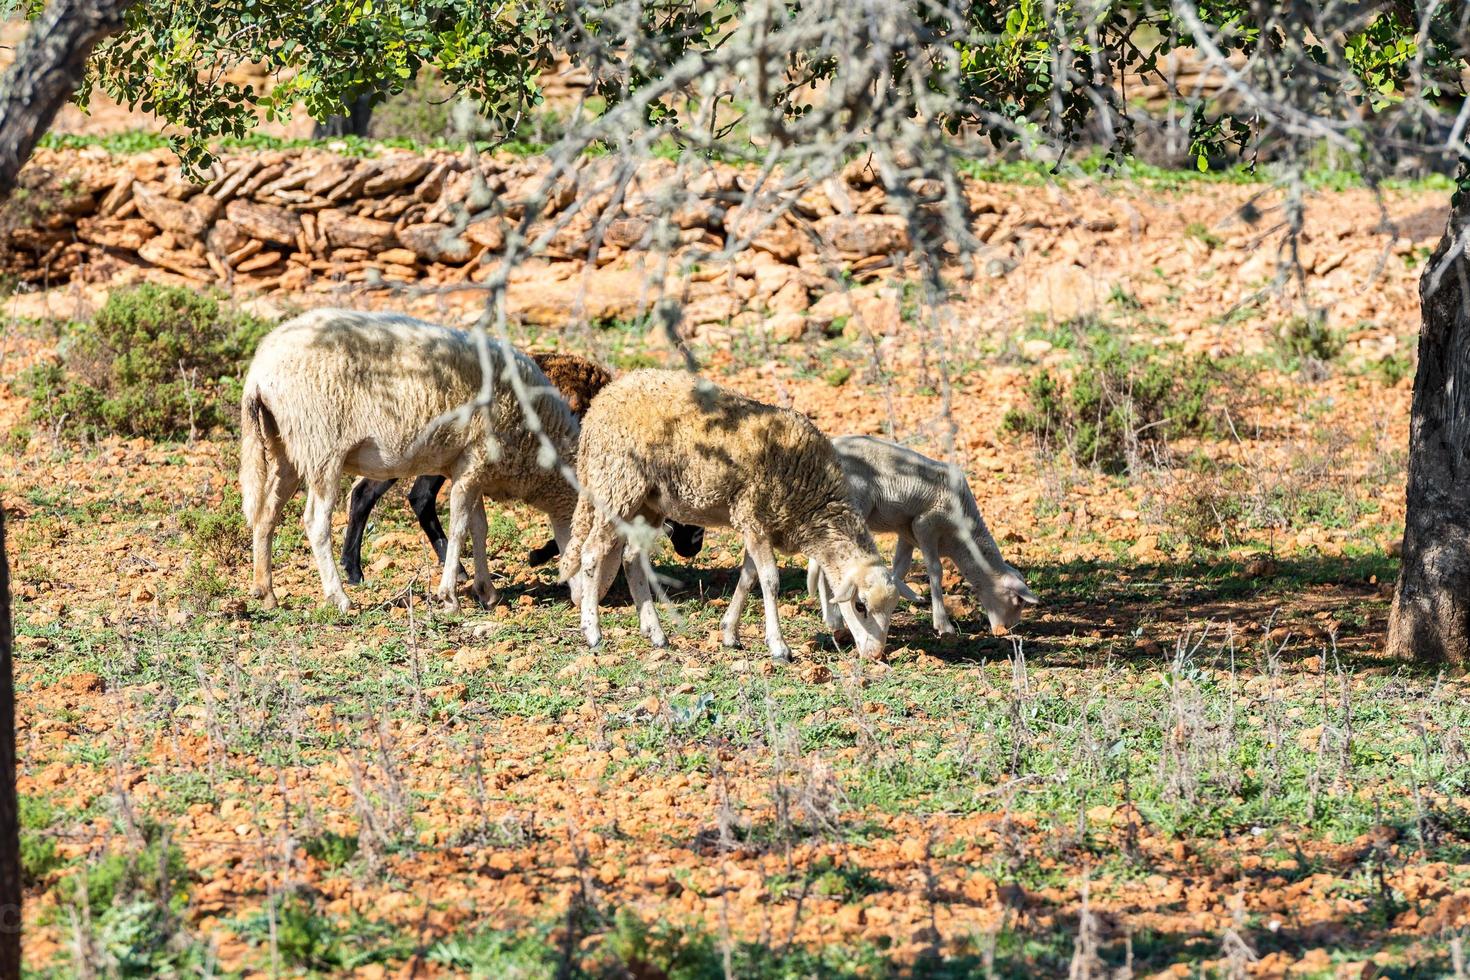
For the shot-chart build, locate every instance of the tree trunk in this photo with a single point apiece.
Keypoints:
(9, 818)
(1431, 609)
(48, 67)
(354, 122)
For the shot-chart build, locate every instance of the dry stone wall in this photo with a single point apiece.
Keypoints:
(293, 219)
(309, 220)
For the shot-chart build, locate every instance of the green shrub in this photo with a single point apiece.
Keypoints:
(157, 361)
(1301, 339)
(218, 532)
(332, 849)
(1123, 403)
(135, 901)
(38, 856)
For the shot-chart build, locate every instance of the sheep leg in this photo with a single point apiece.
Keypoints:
(929, 549)
(544, 553)
(816, 586)
(421, 498)
(648, 624)
(462, 495)
(687, 538)
(321, 496)
(769, 574)
(730, 622)
(903, 559)
(280, 485)
(561, 536)
(599, 553)
(483, 589)
(365, 496)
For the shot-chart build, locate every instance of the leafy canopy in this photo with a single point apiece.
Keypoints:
(1030, 70)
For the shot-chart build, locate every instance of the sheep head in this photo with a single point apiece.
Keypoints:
(1005, 598)
(866, 597)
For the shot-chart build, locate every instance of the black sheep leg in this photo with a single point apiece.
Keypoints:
(365, 495)
(687, 539)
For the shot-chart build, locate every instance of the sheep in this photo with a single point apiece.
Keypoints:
(386, 396)
(659, 444)
(928, 505)
(579, 379)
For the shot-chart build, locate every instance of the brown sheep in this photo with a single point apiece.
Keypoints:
(666, 444)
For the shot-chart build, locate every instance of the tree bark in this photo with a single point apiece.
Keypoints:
(1430, 621)
(48, 67)
(9, 817)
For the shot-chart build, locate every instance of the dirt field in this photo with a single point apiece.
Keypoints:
(1191, 760)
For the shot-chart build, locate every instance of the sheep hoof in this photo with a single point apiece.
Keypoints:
(267, 601)
(594, 638)
(341, 601)
(658, 639)
(781, 654)
(487, 596)
(946, 629)
(730, 642)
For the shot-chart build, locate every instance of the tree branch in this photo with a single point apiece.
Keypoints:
(49, 65)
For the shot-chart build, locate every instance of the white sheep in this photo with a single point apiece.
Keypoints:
(929, 505)
(666, 444)
(386, 396)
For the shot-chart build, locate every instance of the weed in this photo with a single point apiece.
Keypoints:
(838, 376)
(494, 953)
(1200, 232)
(17, 440)
(1306, 342)
(332, 849)
(1394, 368)
(218, 532)
(202, 585)
(1121, 406)
(306, 938)
(38, 855)
(134, 900)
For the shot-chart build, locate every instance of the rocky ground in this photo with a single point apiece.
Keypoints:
(1192, 760)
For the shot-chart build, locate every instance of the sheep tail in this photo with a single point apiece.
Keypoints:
(257, 431)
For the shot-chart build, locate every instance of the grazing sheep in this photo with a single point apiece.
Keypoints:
(579, 379)
(387, 396)
(928, 505)
(659, 444)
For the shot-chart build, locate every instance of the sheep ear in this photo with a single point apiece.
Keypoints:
(846, 592)
(1013, 584)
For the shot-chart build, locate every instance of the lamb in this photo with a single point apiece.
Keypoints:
(928, 505)
(386, 396)
(579, 379)
(659, 444)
